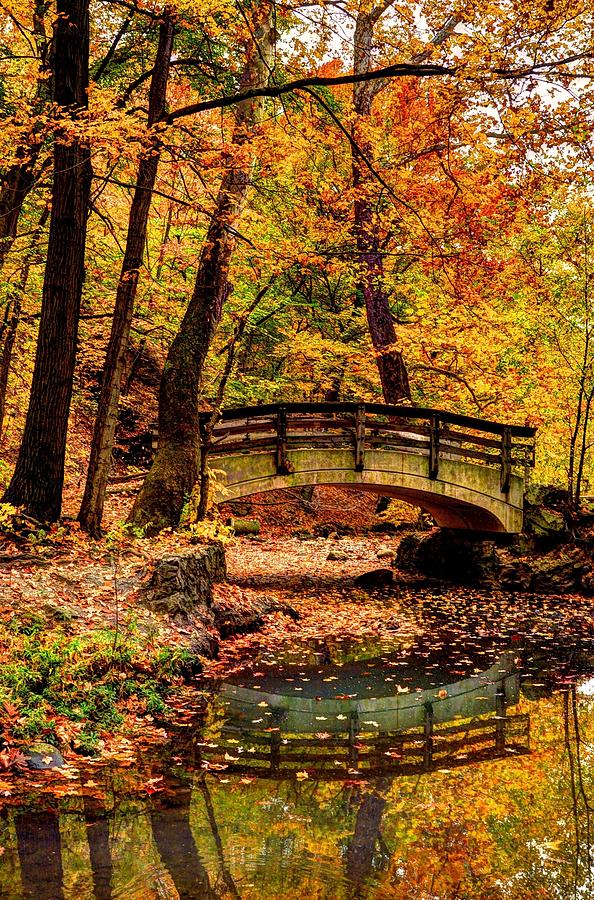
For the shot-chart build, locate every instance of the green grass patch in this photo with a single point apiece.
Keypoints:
(84, 682)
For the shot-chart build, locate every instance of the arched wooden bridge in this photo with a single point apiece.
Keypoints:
(468, 473)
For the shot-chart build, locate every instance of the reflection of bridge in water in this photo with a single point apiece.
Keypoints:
(466, 472)
(269, 731)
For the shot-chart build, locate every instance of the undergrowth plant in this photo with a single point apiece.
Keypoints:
(61, 685)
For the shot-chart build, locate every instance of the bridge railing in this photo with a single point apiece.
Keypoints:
(431, 433)
(275, 754)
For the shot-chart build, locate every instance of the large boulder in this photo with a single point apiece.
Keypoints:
(545, 511)
(182, 582)
(555, 574)
(518, 563)
(449, 554)
(547, 523)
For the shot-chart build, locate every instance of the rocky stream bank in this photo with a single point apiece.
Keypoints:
(552, 556)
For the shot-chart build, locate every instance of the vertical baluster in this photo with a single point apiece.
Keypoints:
(275, 750)
(506, 460)
(360, 438)
(428, 734)
(434, 448)
(282, 462)
(353, 732)
(500, 713)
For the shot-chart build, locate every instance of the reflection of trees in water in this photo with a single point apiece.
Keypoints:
(581, 808)
(353, 819)
(97, 826)
(367, 834)
(40, 854)
(173, 836)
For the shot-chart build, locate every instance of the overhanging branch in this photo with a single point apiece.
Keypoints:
(398, 70)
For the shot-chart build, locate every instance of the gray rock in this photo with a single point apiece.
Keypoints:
(544, 522)
(385, 553)
(245, 526)
(43, 756)
(384, 528)
(182, 582)
(336, 556)
(545, 495)
(544, 511)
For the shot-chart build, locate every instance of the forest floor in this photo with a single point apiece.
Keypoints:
(86, 666)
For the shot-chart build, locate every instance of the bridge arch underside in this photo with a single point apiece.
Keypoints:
(464, 495)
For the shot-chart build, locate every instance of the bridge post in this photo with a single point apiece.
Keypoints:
(428, 735)
(360, 438)
(506, 460)
(500, 718)
(282, 462)
(434, 448)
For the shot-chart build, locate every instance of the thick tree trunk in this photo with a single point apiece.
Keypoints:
(91, 510)
(175, 468)
(97, 825)
(370, 288)
(38, 478)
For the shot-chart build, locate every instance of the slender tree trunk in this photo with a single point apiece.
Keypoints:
(175, 468)
(16, 184)
(10, 325)
(97, 825)
(19, 178)
(38, 478)
(12, 317)
(91, 510)
(370, 289)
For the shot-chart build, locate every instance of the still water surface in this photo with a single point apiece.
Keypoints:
(448, 756)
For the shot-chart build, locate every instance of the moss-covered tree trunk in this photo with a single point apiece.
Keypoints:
(175, 468)
(12, 316)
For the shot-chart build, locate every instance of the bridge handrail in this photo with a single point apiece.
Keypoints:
(379, 409)
(371, 426)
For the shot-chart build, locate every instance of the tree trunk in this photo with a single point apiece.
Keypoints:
(91, 510)
(18, 180)
(175, 468)
(97, 825)
(12, 317)
(370, 289)
(38, 478)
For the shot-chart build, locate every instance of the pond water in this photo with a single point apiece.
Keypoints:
(446, 754)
